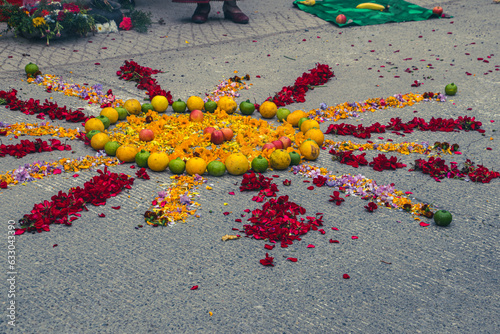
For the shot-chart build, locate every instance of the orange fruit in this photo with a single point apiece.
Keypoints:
(237, 164)
(268, 109)
(133, 106)
(158, 161)
(309, 149)
(280, 159)
(308, 124)
(159, 103)
(94, 124)
(295, 117)
(195, 103)
(126, 153)
(99, 140)
(316, 135)
(111, 114)
(227, 104)
(196, 166)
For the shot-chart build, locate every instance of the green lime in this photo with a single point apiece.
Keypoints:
(282, 113)
(295, 158)
(303, 119)
(104, 121)
(91, 133)
(141, 158)
(450, 89)
(260, 164)
(122, 112)
(177, 166)
(179, 106)
(442, 218)
(31, 68)
(216, 168)
(247, 107)
(210, 106)
(111, 147)
(147, 107)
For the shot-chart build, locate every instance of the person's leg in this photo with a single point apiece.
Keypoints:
(233, 12)
(201, 13)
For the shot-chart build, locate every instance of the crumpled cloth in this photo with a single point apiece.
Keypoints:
(399, 11)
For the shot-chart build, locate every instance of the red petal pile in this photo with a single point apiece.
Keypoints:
(33, 106)
(61, 206)
(435, 124)
(278, 221)
(27, 147)
(297, 93)
(131, 71)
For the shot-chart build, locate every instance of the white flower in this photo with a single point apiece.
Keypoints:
(99, 28)
(105, 27)
(112, 26)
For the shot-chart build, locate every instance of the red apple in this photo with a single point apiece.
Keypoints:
(146, 135)
(437, 10)
(228, 133)
(196, 116)
(287, 142)
(209, 129)
(268, 146)
(278, 144)
(341, 19)
(217, 137)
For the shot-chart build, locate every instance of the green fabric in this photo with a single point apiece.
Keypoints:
(399, 11)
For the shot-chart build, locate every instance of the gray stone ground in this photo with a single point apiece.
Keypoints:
(107, 277)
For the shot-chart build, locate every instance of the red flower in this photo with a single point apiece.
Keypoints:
(126, 23)
(346, 276)
(71, 7)
(269, 247)
(320, 180)
(268, 261)
(3, 185)
(142, 174)
(371, 207)
(381, 163)
(335, 198)
(287, 182)
(349, 158)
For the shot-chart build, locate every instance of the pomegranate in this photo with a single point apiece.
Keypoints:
(287, 142)
(278, 144)
(228, 133)
(209, 129)
(268, 146)
(217, 137)
(437, 10)
(196, 116)
(341, 19)
(146, 135)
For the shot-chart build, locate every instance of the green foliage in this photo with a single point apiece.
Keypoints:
(48, 19)
(141, 21)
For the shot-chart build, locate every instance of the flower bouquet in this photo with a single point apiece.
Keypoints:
(48, 19)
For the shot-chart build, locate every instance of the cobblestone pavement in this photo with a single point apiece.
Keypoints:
(105, 276)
